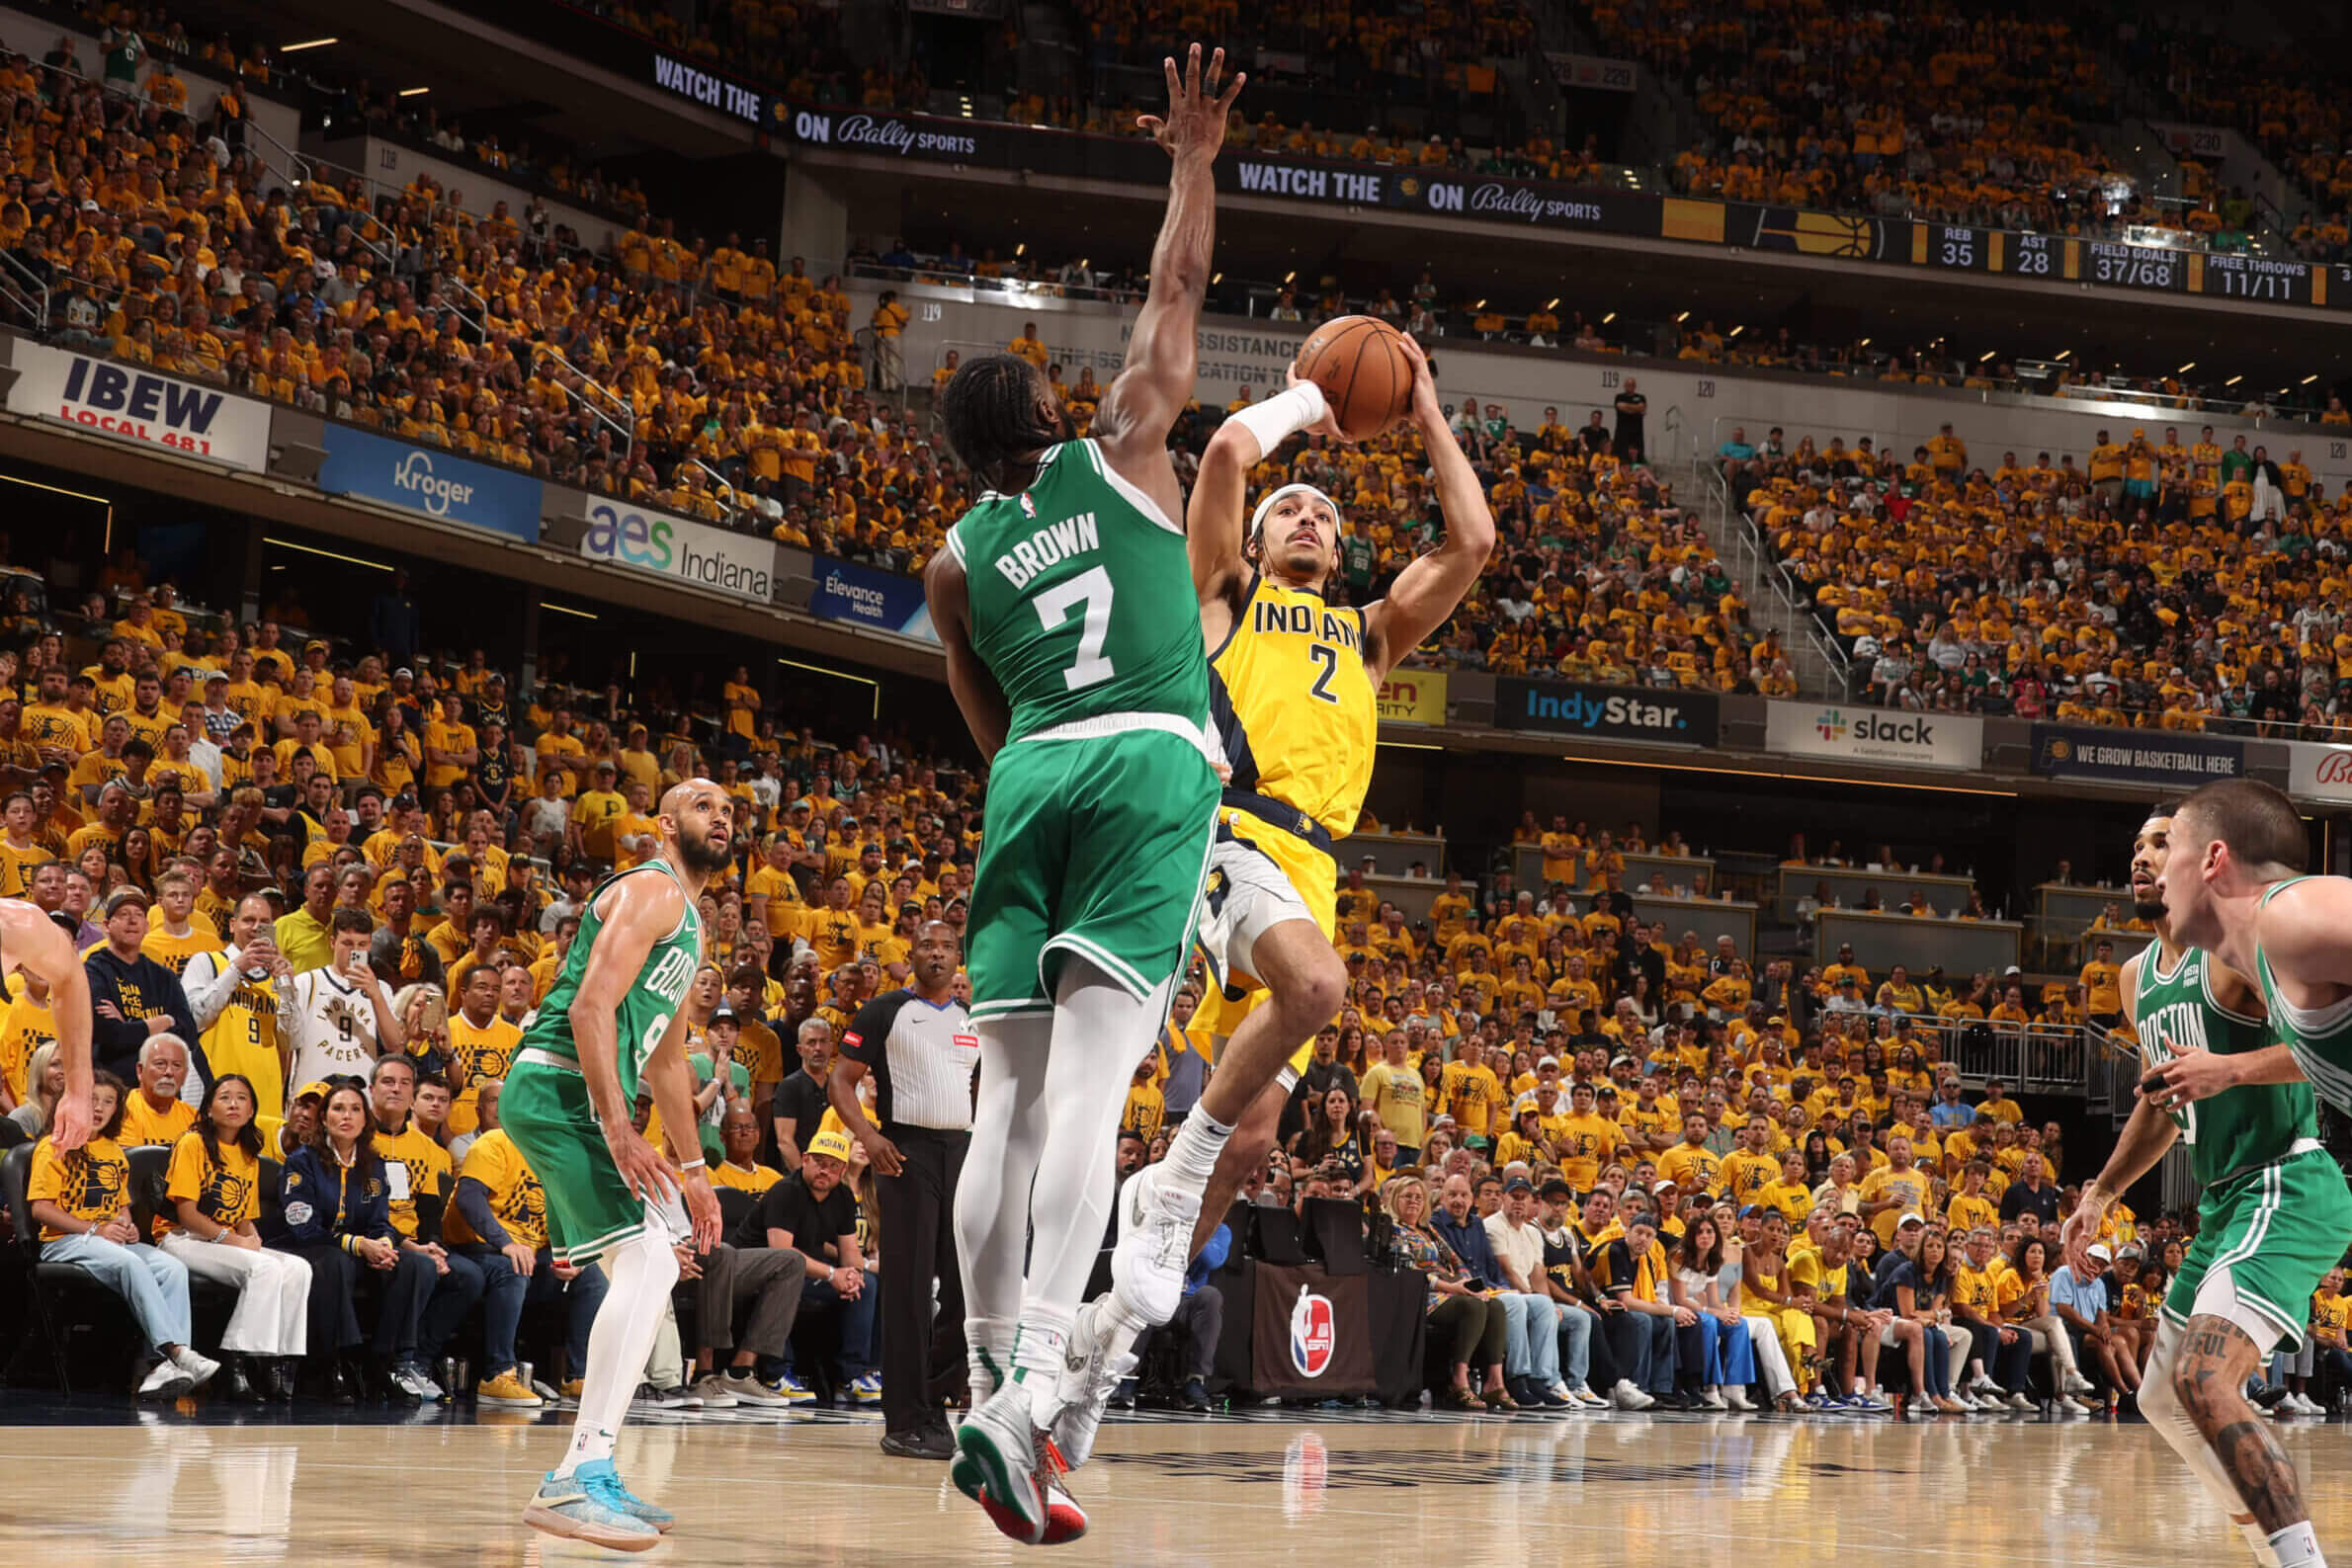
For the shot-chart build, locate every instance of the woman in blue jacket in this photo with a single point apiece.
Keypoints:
(337, 1213)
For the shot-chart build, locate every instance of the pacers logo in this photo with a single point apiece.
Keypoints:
(1314, 1333)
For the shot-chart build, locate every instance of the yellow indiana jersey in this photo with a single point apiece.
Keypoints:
(1295, 705)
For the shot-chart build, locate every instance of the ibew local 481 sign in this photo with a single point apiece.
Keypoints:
(133, 403)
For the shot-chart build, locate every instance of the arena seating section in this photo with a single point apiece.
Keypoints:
(2166, 583)
(741, 396)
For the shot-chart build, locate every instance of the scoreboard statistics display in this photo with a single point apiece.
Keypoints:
(2121, 266)
(2288, 283)
(2034, 256)
(2110, 264)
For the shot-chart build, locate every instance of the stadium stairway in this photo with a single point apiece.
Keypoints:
(1820, 667)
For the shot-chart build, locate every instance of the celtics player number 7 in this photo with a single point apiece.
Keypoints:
(1091, 588)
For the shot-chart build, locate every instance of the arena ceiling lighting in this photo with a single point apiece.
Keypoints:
(567, 609)
(332, 556)
(838, 674)
(307, 43)
(413, 91)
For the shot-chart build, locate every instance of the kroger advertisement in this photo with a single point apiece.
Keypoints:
(662, 545)
(133, 403)
(877, 600)
(433, 484)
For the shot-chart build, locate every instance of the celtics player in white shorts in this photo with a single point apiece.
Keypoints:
(2273, 1219)
(1065, 604)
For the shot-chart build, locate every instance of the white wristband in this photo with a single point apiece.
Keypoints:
(1281, 416)
(693, 1165)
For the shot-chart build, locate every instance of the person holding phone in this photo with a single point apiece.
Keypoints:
(344, 1020)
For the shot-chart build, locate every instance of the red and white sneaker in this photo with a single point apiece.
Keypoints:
(1065, 1520)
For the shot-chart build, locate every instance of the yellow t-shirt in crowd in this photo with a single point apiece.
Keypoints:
(517, 1201)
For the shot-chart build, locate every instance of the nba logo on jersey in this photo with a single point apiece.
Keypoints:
(1313, 1333)
(1029, 507)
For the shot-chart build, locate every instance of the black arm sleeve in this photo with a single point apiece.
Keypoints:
(474, 1201)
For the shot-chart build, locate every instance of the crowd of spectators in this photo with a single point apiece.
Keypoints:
(2160, 583)
(320, 898)
(2211, 76)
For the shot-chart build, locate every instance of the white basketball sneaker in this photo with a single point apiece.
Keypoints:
(1101, 1352)
(1156, 1219)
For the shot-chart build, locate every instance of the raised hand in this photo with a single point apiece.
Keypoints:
(1195, 122)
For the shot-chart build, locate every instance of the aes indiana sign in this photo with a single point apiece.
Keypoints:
(672, 546)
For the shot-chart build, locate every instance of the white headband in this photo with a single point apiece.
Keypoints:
(1257, 519)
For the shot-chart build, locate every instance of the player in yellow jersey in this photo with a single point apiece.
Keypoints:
(1293, 696)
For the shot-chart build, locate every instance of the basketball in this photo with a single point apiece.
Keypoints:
(1361, 365)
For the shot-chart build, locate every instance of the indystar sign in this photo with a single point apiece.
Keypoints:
(1874, 735)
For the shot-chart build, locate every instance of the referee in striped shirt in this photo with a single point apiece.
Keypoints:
(919, 1044)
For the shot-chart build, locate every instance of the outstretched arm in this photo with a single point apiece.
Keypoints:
(1426, 591)
(1217, 523)
(1131, 422)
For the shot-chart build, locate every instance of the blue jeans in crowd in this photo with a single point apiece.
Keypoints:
(1531, 1348)
(855, 1319)
(506, 1293)
(1575, 1343)
(1719, 1353)
(152, 1281)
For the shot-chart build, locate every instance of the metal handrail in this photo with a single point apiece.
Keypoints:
(35, 304)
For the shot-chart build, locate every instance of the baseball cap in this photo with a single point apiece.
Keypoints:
(1556, 1186)
(1525, 1102)
(124, 895)
(1519, 1183)
(2098, 1249)
(832, 1143)
(1665, 1183)
(316, 1085)
(1909, 1219)
(1751, 1211)
(724, 1014)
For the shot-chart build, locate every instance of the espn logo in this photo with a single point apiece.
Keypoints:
(852, 1040)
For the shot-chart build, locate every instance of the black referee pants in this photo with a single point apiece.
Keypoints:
(922, 1358)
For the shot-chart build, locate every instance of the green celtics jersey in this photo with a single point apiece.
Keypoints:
(651, 1000)
(2250, 1126)
(2320, 1037)
(1081, 598)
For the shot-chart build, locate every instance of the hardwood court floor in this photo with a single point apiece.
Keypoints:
(98, 1483)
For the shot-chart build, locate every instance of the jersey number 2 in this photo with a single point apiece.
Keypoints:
(1328, 656)
(1091, 588)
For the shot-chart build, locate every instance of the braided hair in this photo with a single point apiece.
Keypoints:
(996, 421)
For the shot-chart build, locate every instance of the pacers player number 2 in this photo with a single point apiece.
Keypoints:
(1091, 588)
(1328, 656)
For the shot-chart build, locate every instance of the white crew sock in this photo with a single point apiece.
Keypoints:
(988, 1350)
(1192, 1153)
(2298, 1547)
